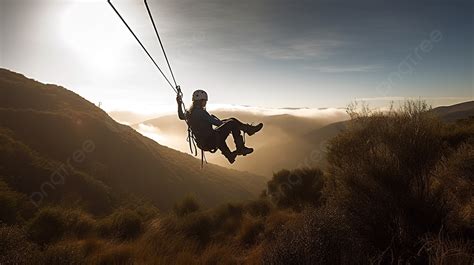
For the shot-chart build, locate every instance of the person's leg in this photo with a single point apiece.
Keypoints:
(247, 128)
(234, 126)
(222, 146)
(221, 136)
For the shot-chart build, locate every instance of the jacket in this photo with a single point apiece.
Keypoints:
(201, 123)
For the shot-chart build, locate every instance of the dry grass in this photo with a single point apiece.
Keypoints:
(398, 189)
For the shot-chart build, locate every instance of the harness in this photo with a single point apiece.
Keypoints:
(191, 138)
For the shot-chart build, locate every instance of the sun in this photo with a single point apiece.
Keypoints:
(90, 31)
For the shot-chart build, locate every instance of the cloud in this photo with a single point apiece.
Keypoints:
(131, 117)
(347, 69)
(411, 98)
(151, 132)
(298, 112)
(296, 49)
(383, 103)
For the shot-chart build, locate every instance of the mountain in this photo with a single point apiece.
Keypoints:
(287, 141)
(309, 149)
(455, 112)
(57, 146)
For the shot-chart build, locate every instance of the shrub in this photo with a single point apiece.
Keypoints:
(227, 219)
(64, 253)
(319, 236)
(15, 248)
(78, 223)
(398, 150)
(278, 220)
(47, 226)
(8, 207)
(114, 255)
(13, 205)
(296, 188)
(198, 226)
(384, 166)
(442, 250)
(259, 208)
(147, 211)
(122, 224)
(455, 181)
(250, 231)
(219, 254)
(186, 206)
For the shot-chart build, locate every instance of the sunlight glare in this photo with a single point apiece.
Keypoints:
(88, 31)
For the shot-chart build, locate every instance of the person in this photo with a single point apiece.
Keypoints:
(209, 138)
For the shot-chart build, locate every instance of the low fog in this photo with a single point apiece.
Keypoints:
(289, 137)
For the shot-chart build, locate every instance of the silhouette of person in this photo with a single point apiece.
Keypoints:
(209, 138)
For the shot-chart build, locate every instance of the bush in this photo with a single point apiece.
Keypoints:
(186, 206)
(385, 167)
(50, 224)
(218, 254)
(147, 211)
(12, 205)
(8, 207)
(442, 250)
(227, 219)
(318, 236)
(47, 226)
(78, 223)
(64, 253)
(259, 208)
(250, 231)
(296, 188)
(122, 224)
(198, 226)
(15, 248)
(455, 181)
(114, 255)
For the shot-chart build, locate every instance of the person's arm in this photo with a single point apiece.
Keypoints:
(181, 114)
(214, 120)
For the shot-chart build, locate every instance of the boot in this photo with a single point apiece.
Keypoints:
(251, 129)
(229, 155)
(243, 151)
(241, 148)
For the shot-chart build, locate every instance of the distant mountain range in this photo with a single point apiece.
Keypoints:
(455, 112)
(287, 141)
(271, 150)
(57, 146)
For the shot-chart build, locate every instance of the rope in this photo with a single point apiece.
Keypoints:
(143, 47)
(159, 39)
(177, 89)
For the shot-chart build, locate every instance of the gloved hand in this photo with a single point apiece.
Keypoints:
(179, 99)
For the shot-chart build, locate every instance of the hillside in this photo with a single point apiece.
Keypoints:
(455, 112)
(397, 189)
(43, 127)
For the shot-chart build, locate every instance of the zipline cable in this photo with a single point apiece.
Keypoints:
(176, 89)
(159, 39)
(143, 47)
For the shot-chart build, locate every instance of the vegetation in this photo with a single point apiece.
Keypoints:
(397, 189)
(58, 148)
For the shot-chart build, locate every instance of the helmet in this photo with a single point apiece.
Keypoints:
(199, 95)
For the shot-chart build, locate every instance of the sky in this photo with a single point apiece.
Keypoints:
(263, 53)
